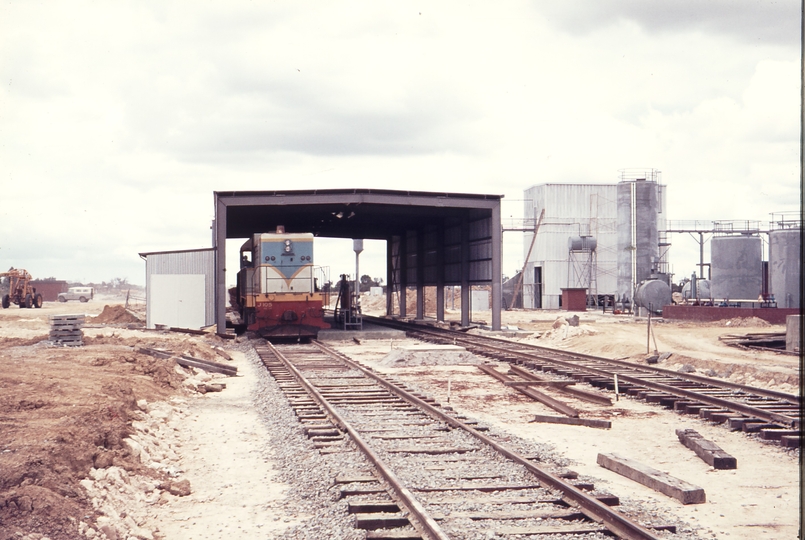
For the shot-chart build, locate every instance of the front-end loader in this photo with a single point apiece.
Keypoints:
(20, 291)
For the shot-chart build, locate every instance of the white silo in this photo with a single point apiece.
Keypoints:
(785, 266)
(736, 267)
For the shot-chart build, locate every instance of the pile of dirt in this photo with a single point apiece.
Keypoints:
(429, 357)
(745, 321)
(115, 315)
(562, 329)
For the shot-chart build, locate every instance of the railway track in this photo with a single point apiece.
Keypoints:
(433, 474)
(775, 416)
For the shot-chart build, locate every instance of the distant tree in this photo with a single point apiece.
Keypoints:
(367, 282)
(119, 283)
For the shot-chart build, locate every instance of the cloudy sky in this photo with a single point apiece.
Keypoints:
(119, 119)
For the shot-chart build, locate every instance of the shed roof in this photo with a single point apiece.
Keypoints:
(347, 213)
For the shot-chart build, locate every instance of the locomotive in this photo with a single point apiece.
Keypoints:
(277, 291)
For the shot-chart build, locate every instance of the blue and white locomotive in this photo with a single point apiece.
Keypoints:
(277, 289)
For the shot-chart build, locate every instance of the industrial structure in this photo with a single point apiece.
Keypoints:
(605, 238)
(179, 288)
(748, 260)
(432, 239)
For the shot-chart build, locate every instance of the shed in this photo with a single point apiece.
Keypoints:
(432, 239)
(180, 288)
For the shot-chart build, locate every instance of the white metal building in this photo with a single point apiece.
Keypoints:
(587, 212)
(180, 288)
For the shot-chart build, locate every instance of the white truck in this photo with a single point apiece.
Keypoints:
(82, 294)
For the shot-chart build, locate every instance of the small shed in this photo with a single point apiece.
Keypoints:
(180, 288)
(574, 299)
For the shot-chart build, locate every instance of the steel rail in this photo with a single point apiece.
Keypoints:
(790, 398)
(669, 389)
(505, 348)
(794, 399)
(427, 525)
(591, 507)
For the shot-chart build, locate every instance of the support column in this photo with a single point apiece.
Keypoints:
(420, 274)
(497, 267)
(219, 239)
(465, 272)
(403, 274)
(391, 282)
(440, 273)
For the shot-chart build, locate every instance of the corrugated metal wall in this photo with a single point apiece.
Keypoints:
(570, 210)
(196, 262)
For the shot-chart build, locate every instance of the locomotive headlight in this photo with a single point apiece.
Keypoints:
(287, 246)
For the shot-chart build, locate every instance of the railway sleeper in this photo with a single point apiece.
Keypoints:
(689, 407)
(776, 434)
(321, 432)
(373, 507)
(736, 423)
(710, 413)
(669, 401)
(380, 521)
(755, 427)
(790, 442)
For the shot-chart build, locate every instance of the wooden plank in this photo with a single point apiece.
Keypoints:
(394, 534)
(657, 480)
(775, 434)
(538, 513)
(790, 442)
(372, 507)
(189, 361)
(557, 384)
(346, 479)
(432, 450)
(380, 521)
(486, 488)
(707, 450)
(537, 530)
(353, 492)
(587, 422)
(499, 499)
(472, 476)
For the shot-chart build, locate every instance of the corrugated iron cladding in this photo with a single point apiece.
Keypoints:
(186, 262)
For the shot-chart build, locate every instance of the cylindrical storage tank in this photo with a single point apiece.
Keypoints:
(582, 243)
(647, 243)
(624, 246)
(638, 240)
(736, 267)
(653, 295)
(785, 266)
(702, 291)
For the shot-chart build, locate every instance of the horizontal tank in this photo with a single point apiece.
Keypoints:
(736, 267)
(653, 295)
(785, 266)
(702, 291)
(582, 243)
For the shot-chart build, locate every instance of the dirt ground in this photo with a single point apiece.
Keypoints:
(66, 412)
(105, 442)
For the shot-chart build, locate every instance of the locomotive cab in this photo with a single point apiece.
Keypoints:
(277, 288)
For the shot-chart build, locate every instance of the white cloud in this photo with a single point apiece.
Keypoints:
(123, 118)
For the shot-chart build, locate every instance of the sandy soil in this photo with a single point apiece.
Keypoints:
(104, 442)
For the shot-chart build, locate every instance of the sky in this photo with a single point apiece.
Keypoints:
(118, 120)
